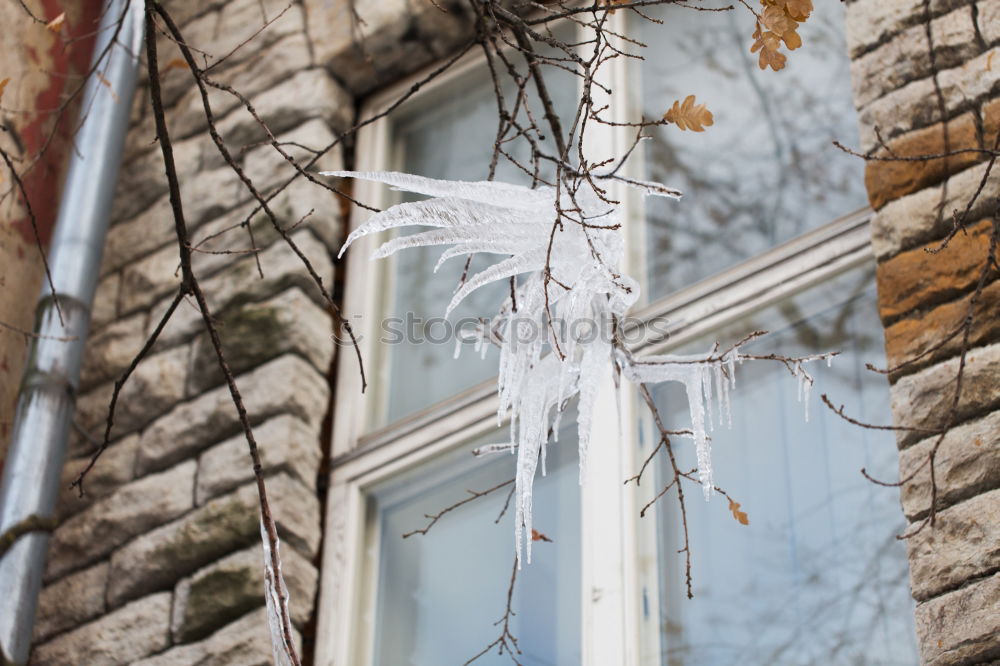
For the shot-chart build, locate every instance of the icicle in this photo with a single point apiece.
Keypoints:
(513, 224)
(273, 582)
(458, 346)
(706, 381)
(807, 386)
(829, 361)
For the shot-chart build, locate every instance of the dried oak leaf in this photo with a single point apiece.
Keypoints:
(3, 84)
(538, 536)
(689, 116)
(56, 24)
(777, 21)
(799, 9)
(768, 44)
(791, 40)
(740, 516)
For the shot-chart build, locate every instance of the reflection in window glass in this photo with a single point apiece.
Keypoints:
(818, 576)
(440, 594)
(452, 139)
(766, 171)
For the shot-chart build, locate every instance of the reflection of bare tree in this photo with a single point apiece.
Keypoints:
(814, 619)
(771, 172)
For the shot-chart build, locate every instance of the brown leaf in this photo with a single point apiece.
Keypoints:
(799, 9)
(3, 84)
(56, 24)
(792, 40)
(740, 516)
(689, 116)
(176, 63)
(777, 21)
(538, 536)
(771, 58)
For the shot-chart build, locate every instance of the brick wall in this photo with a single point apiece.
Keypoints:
(922, 99)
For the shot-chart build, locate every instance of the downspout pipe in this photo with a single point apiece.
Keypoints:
(32, 470)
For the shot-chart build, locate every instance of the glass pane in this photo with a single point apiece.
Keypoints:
(452, 139)
(766, 171)
(818, 576)
(440, 594)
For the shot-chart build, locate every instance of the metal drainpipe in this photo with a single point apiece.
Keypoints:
(47, 396)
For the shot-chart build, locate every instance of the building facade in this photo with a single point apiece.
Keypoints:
(159, 563)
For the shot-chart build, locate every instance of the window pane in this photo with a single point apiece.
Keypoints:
(766, 171)
(450, 135)
(440, 594)
(818, 575)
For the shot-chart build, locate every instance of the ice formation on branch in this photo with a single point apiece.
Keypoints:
(697, 374)
(566, 256)
(564, 248)
(276, 598)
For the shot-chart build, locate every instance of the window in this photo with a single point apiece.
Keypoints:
(773, 236)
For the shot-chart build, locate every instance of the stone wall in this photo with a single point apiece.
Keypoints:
(927, 76)
(160, 562)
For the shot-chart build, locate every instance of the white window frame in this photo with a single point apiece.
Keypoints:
(611, 568)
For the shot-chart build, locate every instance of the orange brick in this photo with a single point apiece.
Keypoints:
(887, 181)
(908, 338)
(917, 279)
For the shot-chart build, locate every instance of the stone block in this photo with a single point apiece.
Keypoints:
(128, 634)
(132, 239)
(111, 349)
(914, 105)
(70, 602)
(988, 20)
(287, 385)
(183, 11)
(385, 40)
(245, 642)
(156, 385)
(318, 209)
(924, 334)
(918, 278)
(254, 333)
(915, 219)
(960, 627)
(871, 22)
(109, 522)
(143, 180)
(923, 399)
(309, 94)
(263, 69)
(963, 544)
(286, 444)
(267, 168)
(105, 307)
(221, 32)
(888, 180)
(906, 57)
(240, 281)
(157, 275)
(967, 463)
(229, 588)
(113, 469)
(158, 559)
